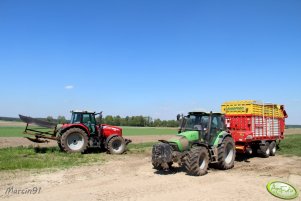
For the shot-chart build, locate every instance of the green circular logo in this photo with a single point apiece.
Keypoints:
(282, 190)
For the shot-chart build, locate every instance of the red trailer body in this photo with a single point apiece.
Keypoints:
(246, 129)
(250, 127)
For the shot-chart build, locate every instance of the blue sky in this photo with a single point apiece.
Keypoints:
(155, 58)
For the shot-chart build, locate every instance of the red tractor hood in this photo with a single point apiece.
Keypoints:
(108, 130)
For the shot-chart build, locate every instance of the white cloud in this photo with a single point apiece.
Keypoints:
(69, 87)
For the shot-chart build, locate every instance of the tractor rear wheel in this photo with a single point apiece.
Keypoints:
(273, 148)
(264, 150)
(74, 140)
(116, 145)
(226, 154)
(197, 161)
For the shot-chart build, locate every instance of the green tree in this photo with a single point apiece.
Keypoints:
(117, 120)
(109, 120)
(157, 123)
(61, 120)
(49, 119)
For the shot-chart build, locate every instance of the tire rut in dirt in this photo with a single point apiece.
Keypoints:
(197, 161)
(74, 140)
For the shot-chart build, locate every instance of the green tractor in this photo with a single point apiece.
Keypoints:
(202, 139)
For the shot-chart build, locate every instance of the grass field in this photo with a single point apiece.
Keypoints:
(291, 145)
(127, 131)
(133, 131)
(40, 158)
(51, 157)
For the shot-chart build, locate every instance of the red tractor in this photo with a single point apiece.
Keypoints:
(81, 133)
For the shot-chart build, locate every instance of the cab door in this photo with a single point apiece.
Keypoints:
(217, 125)
(89, 121)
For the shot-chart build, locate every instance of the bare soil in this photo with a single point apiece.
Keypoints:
(131, 177)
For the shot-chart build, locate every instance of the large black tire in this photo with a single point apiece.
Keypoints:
(273, 148)
(226, 154)
(74, 140)
(197, 161)
(264, 150)
(116, 145)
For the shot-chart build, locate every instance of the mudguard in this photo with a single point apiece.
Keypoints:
(221, 136)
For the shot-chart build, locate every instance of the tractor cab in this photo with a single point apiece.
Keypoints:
(208, 125)
(87, 118)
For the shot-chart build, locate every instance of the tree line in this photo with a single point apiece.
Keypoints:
(140, 121)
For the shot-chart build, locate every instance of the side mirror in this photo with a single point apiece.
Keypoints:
(178, 117)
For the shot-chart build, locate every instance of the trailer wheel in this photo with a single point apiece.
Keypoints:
(273, 148)
(265, 150)
(116, 145)
(74, 140)
(226, 154)
(197, 161)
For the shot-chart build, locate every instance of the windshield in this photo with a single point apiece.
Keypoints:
(196, 122)
(76, 117)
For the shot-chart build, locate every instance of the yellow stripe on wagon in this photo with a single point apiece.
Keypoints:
(252, 107)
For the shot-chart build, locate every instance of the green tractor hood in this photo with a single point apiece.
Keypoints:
(184, 139)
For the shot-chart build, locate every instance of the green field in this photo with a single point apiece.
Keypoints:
(127, 131)
(40, 158)
(291, 145)
(133, 131)
(14, 158)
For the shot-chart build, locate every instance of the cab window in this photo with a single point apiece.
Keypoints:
(86, 118)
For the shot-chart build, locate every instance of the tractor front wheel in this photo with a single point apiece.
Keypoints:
(74, 140)
(116, 145)
(197, 161)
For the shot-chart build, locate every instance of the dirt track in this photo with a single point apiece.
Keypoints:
(131, 177)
